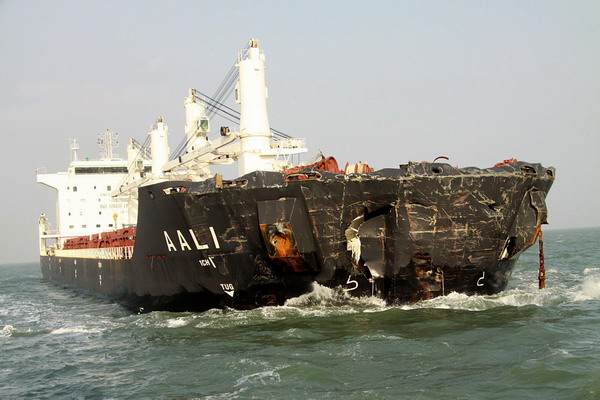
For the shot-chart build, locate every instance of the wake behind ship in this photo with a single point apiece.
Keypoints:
(161, 231)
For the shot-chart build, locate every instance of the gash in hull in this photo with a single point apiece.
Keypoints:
(160, 231)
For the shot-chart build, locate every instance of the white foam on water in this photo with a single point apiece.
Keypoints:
(319, 295)
(204, 325)
(513, 297)
(561, 353)
(63, 331)
(324, 301)
(7, 330)
(383, 336)
(176, 322)
(590, 288)
(267, 374)
(264, 378)
(162, 319)
(589, 271)
(355, 352)
(218, 318)
(226, 396)
(326, 296)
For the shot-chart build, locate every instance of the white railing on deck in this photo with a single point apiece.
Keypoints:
(107, 253)
(291, 143)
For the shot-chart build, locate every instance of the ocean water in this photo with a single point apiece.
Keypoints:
(522, 343)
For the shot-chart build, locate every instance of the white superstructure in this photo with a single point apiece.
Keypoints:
(96, 196)
(85, 204)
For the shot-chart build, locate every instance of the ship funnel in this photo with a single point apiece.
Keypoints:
(251, 94)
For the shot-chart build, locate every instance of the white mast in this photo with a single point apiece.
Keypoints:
(196, 122)
(133, 155)
(159, 137)
(74, 149)
(251, 93)
(256, 149)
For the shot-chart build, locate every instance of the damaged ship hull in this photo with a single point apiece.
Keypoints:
(405, 234)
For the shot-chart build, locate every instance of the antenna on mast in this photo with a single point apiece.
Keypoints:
(74, 148)
(106, 142)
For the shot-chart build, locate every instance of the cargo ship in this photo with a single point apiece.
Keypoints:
(161, 231)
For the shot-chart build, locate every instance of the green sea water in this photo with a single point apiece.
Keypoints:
(524, 343)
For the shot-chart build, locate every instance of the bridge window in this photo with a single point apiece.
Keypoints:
(101, 170)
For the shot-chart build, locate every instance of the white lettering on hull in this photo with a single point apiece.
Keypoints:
(170, 244)
(214, 236)
(212, 262)
(184, 243)
(207, 262)
(479, 281)
(228, 288)
(195, 239)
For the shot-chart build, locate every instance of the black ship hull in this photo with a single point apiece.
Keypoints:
(405, 235)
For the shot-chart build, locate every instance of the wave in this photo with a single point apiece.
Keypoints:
(590, 289)
(325, 296)
(263, 377)
(333, 302)
(327, 302)
(63, 331)
(7, 330)
(325, 299)
(176, 322)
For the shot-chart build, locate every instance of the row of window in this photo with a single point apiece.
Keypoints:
(83, 200)
(81, 213)
(108, 188)
(100, 170)
(108, 170)
(85, 226)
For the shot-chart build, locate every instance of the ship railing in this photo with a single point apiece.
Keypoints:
(105, 253)
(291, 143)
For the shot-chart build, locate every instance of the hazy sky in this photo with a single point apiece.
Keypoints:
(386, 82)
